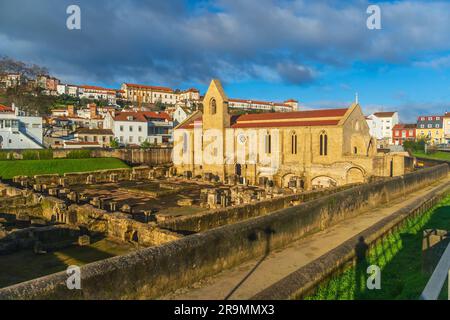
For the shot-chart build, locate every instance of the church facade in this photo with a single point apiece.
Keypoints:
(303, 149)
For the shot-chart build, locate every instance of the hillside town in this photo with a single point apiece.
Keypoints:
(138, 115)
(191, 154)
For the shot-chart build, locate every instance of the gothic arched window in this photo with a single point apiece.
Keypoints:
(293, 142)
(323, 144)
(213, 106)
(268, 143)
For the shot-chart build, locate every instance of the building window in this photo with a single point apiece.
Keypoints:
(131, 128)
(140, 129)
(355, 150)
(268, 143)
(121, 128)
(294, 143)
(213, 106)
(185, 142)
(323, 144)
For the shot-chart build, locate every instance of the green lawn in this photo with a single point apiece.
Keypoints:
(12, 168)
(400, 260)
(440, 155)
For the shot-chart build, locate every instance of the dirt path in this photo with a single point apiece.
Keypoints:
(249, 278)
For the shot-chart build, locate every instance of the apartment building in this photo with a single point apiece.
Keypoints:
(97, 93)
(148, 94)
(135, 127)
(102, 137)
(403, 132)
(431, 128)
(10, 80)
(287, 106)
(381, 125)
(19, 131)
(447, 127)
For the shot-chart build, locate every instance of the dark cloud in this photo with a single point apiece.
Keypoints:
(174, 42)
(294, 73)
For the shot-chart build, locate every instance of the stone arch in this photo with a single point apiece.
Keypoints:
(355, 175)
(323, 182)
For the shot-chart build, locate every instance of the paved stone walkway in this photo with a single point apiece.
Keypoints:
(249, 278)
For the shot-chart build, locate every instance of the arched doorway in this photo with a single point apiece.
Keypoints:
(355, 175)
(323, 182)
(238, 169)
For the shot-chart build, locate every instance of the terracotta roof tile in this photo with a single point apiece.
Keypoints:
(141, 116)
(155, 88)
(384, 114)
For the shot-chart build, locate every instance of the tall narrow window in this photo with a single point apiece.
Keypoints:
(323, 144)
(185, 142)
(268, 143)
(213, 106)
(293, 143)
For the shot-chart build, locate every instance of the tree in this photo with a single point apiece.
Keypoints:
(146, 145)
(29, 71)
(114, 143)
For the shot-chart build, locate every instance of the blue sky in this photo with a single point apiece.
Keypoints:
(319, 52)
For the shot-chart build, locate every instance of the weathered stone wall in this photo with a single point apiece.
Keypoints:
(123, 227)
(99, 176)
(152, 272)
(304, 280)
(49, 238)
(215, 218)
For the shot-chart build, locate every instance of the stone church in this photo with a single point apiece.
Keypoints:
(303, 149)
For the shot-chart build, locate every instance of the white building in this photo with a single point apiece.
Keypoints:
(180, 114)
(148, 94)
(97, 93)
(381, 124)
(68, 89)
(18, 131)
(287, 106)
(10, 80)
(133, 128)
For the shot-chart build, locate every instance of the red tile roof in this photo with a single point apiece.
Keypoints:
(5, 109)
(293, 115)
(384, 114)
(141, 116)
(280, 119)
(154, 88)
(286, 124)
(404, 126)
(97, 88)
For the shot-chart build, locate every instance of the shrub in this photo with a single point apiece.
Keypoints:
(30, 155)
(45, 154)
(4, 155)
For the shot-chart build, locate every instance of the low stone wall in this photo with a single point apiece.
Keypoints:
(303, 281)
(155, 271)
(99, 176)
(121, 226)
(152, 156)
(215, 218)
(49, 238)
